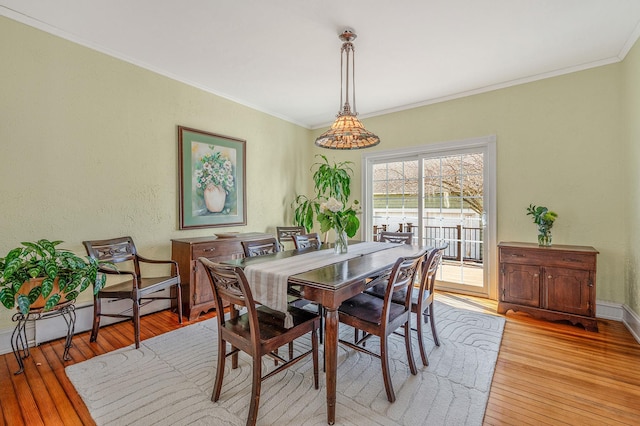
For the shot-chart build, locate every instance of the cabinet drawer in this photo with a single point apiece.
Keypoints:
(220, 249)
(563, 259)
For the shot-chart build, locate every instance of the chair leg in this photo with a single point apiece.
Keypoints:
(314, 354)
(255, 389)
(386, 376)
(222, 356)
(433, 326)
(321, 315)
(407, 343)
(136, 321)
(179, 301)
(97, 309)
(423, 353)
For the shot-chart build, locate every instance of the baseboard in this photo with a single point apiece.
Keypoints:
(48, 329)
(609, 310)
(632, 321)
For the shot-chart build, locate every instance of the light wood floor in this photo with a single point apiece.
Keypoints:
(547, 373)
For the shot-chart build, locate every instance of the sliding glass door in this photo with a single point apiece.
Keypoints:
(440, 194)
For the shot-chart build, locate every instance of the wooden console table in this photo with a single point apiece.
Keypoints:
(197, 296)
(552, 283)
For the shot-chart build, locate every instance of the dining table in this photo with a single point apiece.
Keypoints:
(330, 282)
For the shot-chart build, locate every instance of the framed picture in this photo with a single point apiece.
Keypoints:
(212, 179)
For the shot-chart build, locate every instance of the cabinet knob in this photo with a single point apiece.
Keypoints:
(535, 275)
(210, 249)
(549, 276)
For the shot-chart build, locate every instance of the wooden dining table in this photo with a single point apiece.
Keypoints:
(331, 285)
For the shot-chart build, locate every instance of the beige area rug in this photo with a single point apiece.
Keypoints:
(169, 380)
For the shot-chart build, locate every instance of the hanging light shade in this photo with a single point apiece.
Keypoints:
(347, 132)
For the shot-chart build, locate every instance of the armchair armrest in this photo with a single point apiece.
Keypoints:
(173, 263)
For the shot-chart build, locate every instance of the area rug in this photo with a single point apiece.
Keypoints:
(169, 380)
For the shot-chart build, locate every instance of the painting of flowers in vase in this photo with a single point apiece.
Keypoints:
(212, 179)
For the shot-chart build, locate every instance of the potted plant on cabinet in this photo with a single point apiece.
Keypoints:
(332, 183)
(39, 275)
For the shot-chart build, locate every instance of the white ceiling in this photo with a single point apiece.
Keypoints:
(283, 56)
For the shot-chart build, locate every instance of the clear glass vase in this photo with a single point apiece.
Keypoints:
(544, 237)
(341, 245)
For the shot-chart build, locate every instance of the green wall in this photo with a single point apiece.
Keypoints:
(560, 143)
(631, 209)
(89, 150)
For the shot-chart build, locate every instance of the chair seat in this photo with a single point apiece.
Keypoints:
(379, 289)
(147, 285)
(367, 307)
(271, 323)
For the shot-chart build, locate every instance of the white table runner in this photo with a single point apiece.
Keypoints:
(268, 280)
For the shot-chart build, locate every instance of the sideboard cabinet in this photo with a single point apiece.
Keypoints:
(552, 283)
(197, 296)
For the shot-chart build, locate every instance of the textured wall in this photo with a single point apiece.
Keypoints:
(88, 148)
(560, 143)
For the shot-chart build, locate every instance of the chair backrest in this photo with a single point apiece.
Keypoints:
(114, 250)
(306, 240)
(396, 237)
(401, 278)
(260, 247)
(229, 283)
(285, 233)
(430, 268)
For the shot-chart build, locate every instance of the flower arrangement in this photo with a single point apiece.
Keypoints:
(214, 170)
(544, 218)
(333, 215)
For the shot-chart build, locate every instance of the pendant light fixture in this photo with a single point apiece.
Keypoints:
(347, 132)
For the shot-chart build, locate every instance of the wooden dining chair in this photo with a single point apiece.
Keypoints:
(284, 233)
(396, 237)
(258, 332)
(260, 247)
(137, 288)
(381, 317)
(422, 297)
(303, 241)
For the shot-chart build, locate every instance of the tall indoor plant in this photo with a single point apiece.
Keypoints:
(40, 275)
(332, 184)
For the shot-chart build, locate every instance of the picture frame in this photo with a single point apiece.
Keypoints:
(212, 174)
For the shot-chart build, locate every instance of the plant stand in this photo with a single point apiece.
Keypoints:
(19, 342)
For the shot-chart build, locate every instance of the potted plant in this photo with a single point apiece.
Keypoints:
(332, 183)
(544, 218)
(38, 275)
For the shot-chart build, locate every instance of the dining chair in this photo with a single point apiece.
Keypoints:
(284, 233)
(263, 247)
(303, 241)
(137, 288)
(260, 247)
(258, 332)
(381, 317)
(422, 297)
(396, 237)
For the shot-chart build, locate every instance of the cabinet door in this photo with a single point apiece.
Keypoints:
(567, 290)
(521, 284)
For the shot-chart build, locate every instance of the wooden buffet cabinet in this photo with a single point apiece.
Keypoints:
(552, 283)
(197, 296)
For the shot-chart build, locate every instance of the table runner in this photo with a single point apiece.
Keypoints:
(268, 280)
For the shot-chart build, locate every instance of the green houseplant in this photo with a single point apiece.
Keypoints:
(332, 184)
(54, 275)
(544, 218)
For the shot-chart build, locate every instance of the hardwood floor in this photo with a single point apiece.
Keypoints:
(547, 373)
